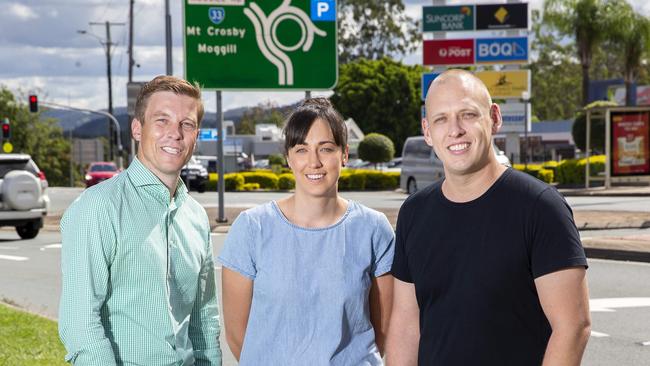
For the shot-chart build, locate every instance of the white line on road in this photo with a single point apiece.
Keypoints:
(13, 258)
(51, 246)
(598, 334)
(9, 248)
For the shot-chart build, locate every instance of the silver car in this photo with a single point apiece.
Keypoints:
(421, 166)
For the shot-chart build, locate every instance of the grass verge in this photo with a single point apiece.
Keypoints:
(27, 339)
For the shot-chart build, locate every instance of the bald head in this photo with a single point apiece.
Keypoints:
(466, 81)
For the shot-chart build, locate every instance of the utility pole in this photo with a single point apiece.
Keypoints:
(168, 38)
(108, 47)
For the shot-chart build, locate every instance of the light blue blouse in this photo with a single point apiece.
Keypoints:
(311, 285)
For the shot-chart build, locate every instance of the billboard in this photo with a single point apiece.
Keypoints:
(448, 52)
(271, 44)
(502, 50)
(507, 83)
(630, 143)
(502, 16)
(514, 118)
(448, 18)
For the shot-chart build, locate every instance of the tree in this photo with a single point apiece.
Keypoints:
(262, 113)
(374, 29)
(631, 32)
(39, 137)
(381, 96)
(587, 21)
(555, 74)
(376, 148)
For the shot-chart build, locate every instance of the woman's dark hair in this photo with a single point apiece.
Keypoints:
(304, 116)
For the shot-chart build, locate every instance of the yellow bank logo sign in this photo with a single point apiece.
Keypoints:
(506, 84)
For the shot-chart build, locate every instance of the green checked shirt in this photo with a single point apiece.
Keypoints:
(138, 276)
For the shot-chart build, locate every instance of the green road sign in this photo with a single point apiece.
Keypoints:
(262, 44)
(448, 18)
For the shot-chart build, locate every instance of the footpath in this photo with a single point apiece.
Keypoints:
(624, 247)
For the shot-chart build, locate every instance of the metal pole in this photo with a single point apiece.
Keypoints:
(220, 163)
(526, 135)
(168, 38)
(111, 133)
(71, 158)
(307, 94)
(131, 62)
(587, 147)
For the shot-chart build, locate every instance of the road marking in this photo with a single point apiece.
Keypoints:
(13, 258)
(10, 248)
(51, 246)
(645, 343)
(609, 305)
(598, 334)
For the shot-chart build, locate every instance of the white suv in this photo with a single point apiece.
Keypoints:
(23, 201)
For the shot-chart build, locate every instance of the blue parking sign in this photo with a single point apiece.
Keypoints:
(323, 10)
(427, 79)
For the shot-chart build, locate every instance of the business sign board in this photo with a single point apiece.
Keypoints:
(506, 84)
(427, 79)
(630, 141)
(270, 44)
(502, 50)
(642, 95)
(208, 134)
(502, 16)
(448, 18)
(448, 52)
(514, 117)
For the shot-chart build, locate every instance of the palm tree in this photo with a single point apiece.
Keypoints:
(632, 32)
(587, 22)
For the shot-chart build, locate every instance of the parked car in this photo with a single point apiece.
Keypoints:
(23, 200)
(195, 175)
(421, 166)
(100, 171)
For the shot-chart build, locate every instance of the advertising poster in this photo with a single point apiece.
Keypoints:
(630, 143)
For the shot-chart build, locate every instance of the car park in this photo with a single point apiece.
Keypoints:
(100, 171)
(195, 175)
(421, 166)
(23, 198)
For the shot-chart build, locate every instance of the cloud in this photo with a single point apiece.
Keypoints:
(22, 12)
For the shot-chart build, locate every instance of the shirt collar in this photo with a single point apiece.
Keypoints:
(141, 176)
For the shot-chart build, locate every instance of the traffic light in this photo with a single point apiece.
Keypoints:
(33, 104)
(6, 129)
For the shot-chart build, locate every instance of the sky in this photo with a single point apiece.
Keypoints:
(41, 51)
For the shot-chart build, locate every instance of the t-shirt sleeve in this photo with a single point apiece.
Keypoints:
(238, 249)
(554, 237)
(383, 246)
(400, 268)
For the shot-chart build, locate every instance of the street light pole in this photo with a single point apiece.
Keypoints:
(525, 97)
(168, 38)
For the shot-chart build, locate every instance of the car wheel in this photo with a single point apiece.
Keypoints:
(201, 188)
(411, 186)
(28, 231)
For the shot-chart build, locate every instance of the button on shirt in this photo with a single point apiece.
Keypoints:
(138, 276)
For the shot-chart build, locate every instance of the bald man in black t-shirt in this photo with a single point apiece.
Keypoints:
(488, 262)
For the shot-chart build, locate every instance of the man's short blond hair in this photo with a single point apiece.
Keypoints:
(172, 84)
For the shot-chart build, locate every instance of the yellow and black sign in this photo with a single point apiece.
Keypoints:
(506, 84)
(502, 16)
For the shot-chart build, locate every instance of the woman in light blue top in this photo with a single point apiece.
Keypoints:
(306, 279)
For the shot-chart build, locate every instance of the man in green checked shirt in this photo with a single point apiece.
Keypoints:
(138, 273)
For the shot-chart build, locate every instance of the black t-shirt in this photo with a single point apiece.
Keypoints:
(474, 265)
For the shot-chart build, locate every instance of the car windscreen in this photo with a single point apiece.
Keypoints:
(8, 165)
(103, 168)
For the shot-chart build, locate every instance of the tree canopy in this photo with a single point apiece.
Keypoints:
(381, 96)
(374, 29)
(376, 148)
(39, 137)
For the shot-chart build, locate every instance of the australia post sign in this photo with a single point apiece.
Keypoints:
(448, 52)
(261, 44)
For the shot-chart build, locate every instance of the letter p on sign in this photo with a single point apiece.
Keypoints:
(323, 10)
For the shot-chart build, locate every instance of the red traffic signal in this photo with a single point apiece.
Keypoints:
(6, 129)
(33, 103)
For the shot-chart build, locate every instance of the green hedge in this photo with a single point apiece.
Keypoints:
(286, 181)
(265, 180)
(232, 182)
(363, 179)
(572, 171)
(250, 187)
